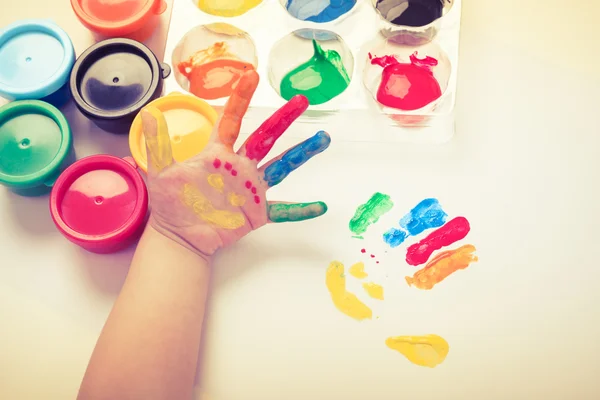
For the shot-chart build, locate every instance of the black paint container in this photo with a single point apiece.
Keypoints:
(114, 79)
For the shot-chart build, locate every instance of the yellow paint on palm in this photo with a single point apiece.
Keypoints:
(216, 181)
(358, 270)
(235, 199)
(344, 301)
(426, 351)
(374, 290)
(206, 211)
(227, 8)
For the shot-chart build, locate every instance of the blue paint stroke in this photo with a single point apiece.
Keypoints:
(427, 214)
(295, 157)
(319, 11)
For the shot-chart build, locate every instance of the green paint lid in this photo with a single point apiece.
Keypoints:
(35, 139)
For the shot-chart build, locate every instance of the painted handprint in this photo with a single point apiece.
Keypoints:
(216, 197)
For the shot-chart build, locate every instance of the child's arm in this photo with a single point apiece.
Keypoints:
(148, 348)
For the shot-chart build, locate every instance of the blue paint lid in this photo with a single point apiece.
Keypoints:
(36, 57)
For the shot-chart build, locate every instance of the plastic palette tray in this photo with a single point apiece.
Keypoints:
(354, 115)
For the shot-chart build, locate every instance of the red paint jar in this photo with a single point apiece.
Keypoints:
(100, 203)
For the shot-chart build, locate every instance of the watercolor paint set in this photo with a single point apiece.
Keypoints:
(373, 70)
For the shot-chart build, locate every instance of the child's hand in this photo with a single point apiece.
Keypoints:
(218, 196)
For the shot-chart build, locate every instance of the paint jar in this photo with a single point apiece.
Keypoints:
(411, 22)
(132, 19)
(35, 146)
(114, 79)
(407, 82)
(210, 59)
(226, 8)
(190, 122)
(320, 12)
(37, 57)
(312, 62)
(100, 203)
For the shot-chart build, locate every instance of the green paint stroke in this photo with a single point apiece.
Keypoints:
(296, 212)
(370, 212)
(320, 79)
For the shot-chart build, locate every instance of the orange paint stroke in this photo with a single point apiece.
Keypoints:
(236, 107)
(440, 267)
(213, 72)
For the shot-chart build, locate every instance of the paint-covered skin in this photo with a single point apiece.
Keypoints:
(427, 214)
(441, 266)
(407, 86)
(213, 199)
(410, 12)
(227, 8)
(373, 290)
(320, 79)
(319, 10)
(426, 351)
(358, 270)
(346, 302)
(453, 231)
(370, 212)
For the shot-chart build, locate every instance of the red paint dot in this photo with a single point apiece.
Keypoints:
(372, 255)
(217, 163)
(376, 262)
(248, 184)
(228, 166)
(363, 250)
(233, 172)
(256, 199)
(253, 190)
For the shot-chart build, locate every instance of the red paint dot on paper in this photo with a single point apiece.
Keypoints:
(228, 166)
(233, 172)
(256, 199)
(363, 250)
(372, 255)
(217, 163)
(248, 184)
(376, 262)
(253, 190)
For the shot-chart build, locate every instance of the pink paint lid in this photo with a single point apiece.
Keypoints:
(99, 200)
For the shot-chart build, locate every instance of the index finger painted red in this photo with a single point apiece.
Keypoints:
(235, 109)
(262, 140)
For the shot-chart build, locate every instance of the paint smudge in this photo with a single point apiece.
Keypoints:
(358, 270)
(358, 237)
(441, 266)
(320, 79)
(282, 212)
(213, 72)
(455, 230)
(426, 351)
(235, 199)
(257, 199)
(216, 181)
(410, 12)
(319, 10)
(425, 215)
(158, 144)
(205, 210)
(216, 163)
(370, 212)
(343, 300)
(227, 8)
(407, 86)
(374, 290)
(295, 157)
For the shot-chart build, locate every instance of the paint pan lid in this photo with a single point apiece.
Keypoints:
(190, 121)
(99, 199)
(35, 139)
(116, 78)
(116, 18)
(36, 57)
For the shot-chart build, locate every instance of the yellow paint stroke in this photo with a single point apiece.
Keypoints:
(216, 181)
(158, 140)
(358, 270)
(426, 351)
(344, 301)
(374, 290)
(440, 267)
(227, 8)
(235, 199)
(204, 209)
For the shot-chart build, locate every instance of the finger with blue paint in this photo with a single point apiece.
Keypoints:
(279, 168)
(294, 212)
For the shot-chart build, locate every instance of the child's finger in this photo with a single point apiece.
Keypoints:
(279, 168)
(291, 212)
(262, 140)
(158, 141)
(228, 127)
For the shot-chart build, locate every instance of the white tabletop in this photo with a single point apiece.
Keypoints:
(522, 323)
